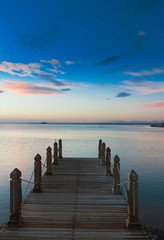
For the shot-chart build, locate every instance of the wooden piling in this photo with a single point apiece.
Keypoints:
(15, 198)
(116, 175)
(60, 148)
(108, 162)
(37, 173)
(55, 154)
(49, 161)
(132, 219)
(103, 154)
(99, 149)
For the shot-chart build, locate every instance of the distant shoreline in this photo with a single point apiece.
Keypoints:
(151, 124)
(158, 125)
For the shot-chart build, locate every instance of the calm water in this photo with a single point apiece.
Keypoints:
(139, 147)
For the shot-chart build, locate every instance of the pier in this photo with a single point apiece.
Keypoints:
(74, 199)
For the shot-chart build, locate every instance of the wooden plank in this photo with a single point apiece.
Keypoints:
(76, 203)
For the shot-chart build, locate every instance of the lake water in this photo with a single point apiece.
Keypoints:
(139, 147)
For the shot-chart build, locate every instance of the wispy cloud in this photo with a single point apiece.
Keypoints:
(65, 89)
(145, 90)
(154, 71)
(112, 59)
(43, 80)
(69, 62)
(31, 89)
(154, 105)
(39, 41)
(53, 62)
(31, 69)
(51, 78)
(20, 69)
(35, 70)
(145, 87)
(123, 94)
(139, 42)
(136, 80)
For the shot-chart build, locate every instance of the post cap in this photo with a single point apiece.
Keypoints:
(60, 140)
(15, 174)
(37, 157)
(49, 149)
(104, 144)
(100, 141)
(133, 176)
(55, 144)
(116, 158)
(108, 149)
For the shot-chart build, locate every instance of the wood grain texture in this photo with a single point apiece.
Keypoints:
(76, 203)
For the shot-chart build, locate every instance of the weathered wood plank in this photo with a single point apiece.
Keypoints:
(76, 203)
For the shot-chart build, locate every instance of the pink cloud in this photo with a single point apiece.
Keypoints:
(154, 105)
(144, 90)
(49, 85)
(31, 69)
(69, 62)
(145, 87)
(28, 88)
(20, 69)
(53, 62)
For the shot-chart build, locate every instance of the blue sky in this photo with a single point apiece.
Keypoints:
(82, 61)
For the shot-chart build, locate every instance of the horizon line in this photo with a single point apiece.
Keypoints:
(110, 122)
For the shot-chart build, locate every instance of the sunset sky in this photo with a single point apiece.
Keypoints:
(81, 60)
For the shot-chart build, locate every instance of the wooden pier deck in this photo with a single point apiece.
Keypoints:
(76, 203)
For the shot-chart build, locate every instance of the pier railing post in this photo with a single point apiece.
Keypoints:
(37, 174)
(100, 149)
(116, 175)
(103, 154)
(55, 154)
(15, 198)
(132, 219)
(49, 161)
(60, 148)
(108, 162)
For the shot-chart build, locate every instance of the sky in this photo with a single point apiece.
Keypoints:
(81, 61)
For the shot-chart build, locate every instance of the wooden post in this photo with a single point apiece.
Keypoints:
(103, 154)
(108, 162)
(15, 198)
(37, 174)
(100, 149)
(116, 175)
(132, 220)
(60, 148)
(55, 154)
(49, 161)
